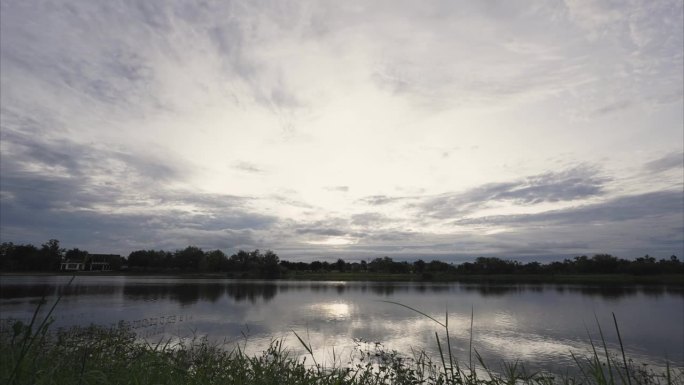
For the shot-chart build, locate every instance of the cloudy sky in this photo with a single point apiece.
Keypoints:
(344, 128)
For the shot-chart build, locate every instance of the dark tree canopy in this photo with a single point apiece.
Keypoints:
(258, 264)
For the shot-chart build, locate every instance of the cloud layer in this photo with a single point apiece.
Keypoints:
(348, 129)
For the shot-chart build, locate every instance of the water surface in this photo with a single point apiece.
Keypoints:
(540, 324)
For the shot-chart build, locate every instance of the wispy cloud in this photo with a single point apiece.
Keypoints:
(248, 167)
(668, 162)
(338, 188)
(568, 185)
(377, 200)
(649, 205)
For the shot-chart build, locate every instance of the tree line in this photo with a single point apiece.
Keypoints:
(48, 257)
(267, 264)
(598, 264)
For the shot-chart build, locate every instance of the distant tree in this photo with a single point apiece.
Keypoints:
(388, 265)
(671, 266)
(316, 265)
(188, 259)
(76, 255)
(644, 266)
(326, 266)
(603, 263)
(19, 257)
(257, 264)
(270, 267)
(341, 265)
(150, 260)
(582, 264)
(354, 267)
(419, 266)
(270, 258)
(51, 254)
(6, 253)
(531, 268)
(437, 267)
(380, 265)
(213, 261)
(465, 268)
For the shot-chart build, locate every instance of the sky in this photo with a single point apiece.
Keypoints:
(353, 129)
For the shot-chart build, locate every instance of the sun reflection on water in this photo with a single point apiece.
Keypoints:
(332, 310)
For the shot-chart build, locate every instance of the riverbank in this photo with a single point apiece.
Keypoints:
(625, 279)
(33, 354)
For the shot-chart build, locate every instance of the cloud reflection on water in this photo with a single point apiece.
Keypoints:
(538, 323)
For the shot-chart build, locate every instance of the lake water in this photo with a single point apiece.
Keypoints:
(540, 324)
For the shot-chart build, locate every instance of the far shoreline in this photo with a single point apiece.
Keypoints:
(623, 279)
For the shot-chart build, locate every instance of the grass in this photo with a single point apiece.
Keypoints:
(33, 353)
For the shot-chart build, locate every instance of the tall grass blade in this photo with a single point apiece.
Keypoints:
(668, 374)
(580, 365)
(415, 310)
(451, 356)
(470, 346)
(605, 349)
(484, 366)
(441, 355)
(596, 365)
(622, 349)
(307, 347)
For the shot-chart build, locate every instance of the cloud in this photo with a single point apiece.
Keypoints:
(322, 231)
(580, 182)
(338, 188)
(84, 223)
(91, 196)
(369, 219)
(612, 107)
(642, 206)
(248, 168)
(328, 227)
(378, 200)
(668, 162)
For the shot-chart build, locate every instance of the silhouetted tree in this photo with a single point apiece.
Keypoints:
(51, 254)
(189, 258)
(419, 266)
(341, 265)
(213, 261)
(150, 260)
(316, 265)
(76, 255)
